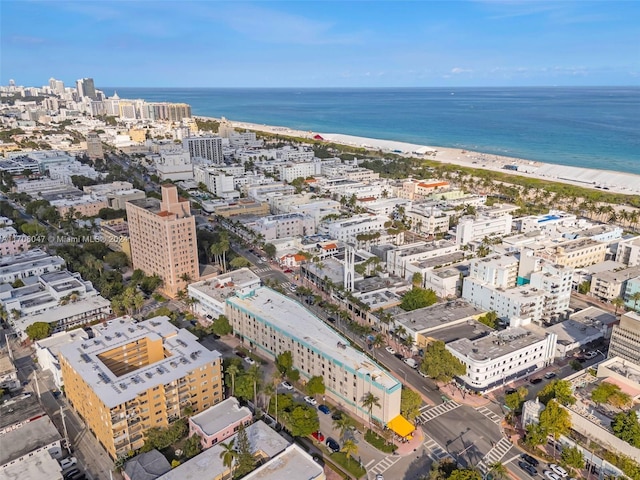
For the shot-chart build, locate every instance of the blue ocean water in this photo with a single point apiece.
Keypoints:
(592, 127)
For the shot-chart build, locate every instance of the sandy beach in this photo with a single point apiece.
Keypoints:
(611, 181)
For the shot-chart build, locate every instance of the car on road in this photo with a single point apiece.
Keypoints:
(590, 355)
(332, 445)
(422, 374)
(549, 375)
(324, 409)
(318, 436)
(509, 391)
(331, 319)
(535, 381)
(286, 386)
(249, 360)
(530, 460)
(530, 469)
(379, 476)
(263, 259)
(557, 469)
(411, 362)
(68, 462)
(71, 473)
(288, 270)
(241, 354)
(390, 350)
(310, 400)
(552, 475)
(293, 288)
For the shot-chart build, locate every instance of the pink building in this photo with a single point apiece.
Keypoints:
(11, 243)
(219, 422)
(162, 235)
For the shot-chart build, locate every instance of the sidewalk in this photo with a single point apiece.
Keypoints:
(463, 398)
(412, 445)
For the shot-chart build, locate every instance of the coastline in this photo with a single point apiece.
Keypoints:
(611, 181)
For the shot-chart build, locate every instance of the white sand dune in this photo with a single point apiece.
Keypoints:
(586, 177)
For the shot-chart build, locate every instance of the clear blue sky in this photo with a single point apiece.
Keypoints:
(320, 43)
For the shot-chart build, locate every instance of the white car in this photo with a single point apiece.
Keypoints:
(422, 374)
(68, 462)
(390, 350)
(557, 469)
(286, 385)
(249, 360)
(551, 475)
(590, 355)
(310, 400)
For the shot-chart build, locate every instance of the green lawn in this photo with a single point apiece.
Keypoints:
(350, 464)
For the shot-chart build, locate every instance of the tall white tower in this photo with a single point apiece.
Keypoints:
(349, 267)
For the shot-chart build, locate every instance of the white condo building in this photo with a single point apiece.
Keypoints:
(496, 270)
(347, 230)
(501, 357)
(273, 324)
(208, 147)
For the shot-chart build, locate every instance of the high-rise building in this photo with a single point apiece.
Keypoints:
(136, 376)
(94, 146)
(86, 88)
(163, 239)
(625, 338)
(208, 147)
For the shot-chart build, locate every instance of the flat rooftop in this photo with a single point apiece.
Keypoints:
(440, 260)
(291, 464)
(27, 437)
(436, 316)
(496, 345)
(220, 416)
(571, 331)
(224, 286)
(261, 438)
(297, 322)
(619, 276)
(185, 354)
(425, 247)
(594, 316)
(579, 244)
(18, 409)
(27, 260)
(471, 329)
(37, 466)
(62, 312)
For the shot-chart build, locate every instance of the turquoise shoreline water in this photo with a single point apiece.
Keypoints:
(591, 127)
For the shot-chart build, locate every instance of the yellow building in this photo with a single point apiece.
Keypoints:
(243, 207)
(135, 376)
(138, 135)
(579, 253)
(163, 239)
(115, 234)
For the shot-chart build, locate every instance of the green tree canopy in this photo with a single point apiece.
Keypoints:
(418, 298)
(609, 393)
(284, 362)
(303, 420)
(536, 435)
(515, 400)
(410, 402)
(38, 330)
(270, 249)
(573, 457)
(245, 461)
(625, 426)
(465, 474)
(315, 386)
(555, 420)
(561, 390)
(221, 326)
(438, 363)
(490, 319)
(192, 446)
(239, 262)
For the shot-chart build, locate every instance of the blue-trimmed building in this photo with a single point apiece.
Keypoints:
(273, 324)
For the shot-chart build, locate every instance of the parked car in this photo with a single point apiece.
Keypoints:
(286, 386)
(337, 415)
(530, 469)
(310, 400)
(510, 391)
(71, 473)
(318, 436)
(332, 445)
(241, 354)
(324, 409)
(398, 356)
(411, 362)
(331, 319)
(590, 355)
(551, 475)
(549, 375)
(288, 270)
(535, 381)
(422, 374)
(390, 350)
(249, 360)
(68, 462)
(379, 476)
(557, 469)
(530, 460)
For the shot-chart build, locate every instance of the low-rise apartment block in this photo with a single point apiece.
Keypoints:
(498, 358)
(399, 258)
(349, 229)
(628, 251)
(500, 271)
(85, 206)
(272, 324)
(285, 225)
(219, 422)
(474, 228)
(135, 376)
(612, 284)
(582, 252)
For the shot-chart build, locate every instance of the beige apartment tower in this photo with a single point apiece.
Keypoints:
(94, 146)
(163, 242)
(135, 376)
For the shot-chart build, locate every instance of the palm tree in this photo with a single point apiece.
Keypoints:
(369, 400)
(254, 375)
(498, 471)
(377, 342)
(342, 424)
(228, 455)
(349, 448)
(617, 302)
(233, 370)
(635, 298)
(224, 246)
(268, 391)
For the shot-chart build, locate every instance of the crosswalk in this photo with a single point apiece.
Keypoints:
(261, 269)
(495, 454)
(490, 414)
(434, 450)
(385, 464)
(429, 413)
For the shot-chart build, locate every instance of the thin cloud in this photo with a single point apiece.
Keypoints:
(458, 70)
(26, 40)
